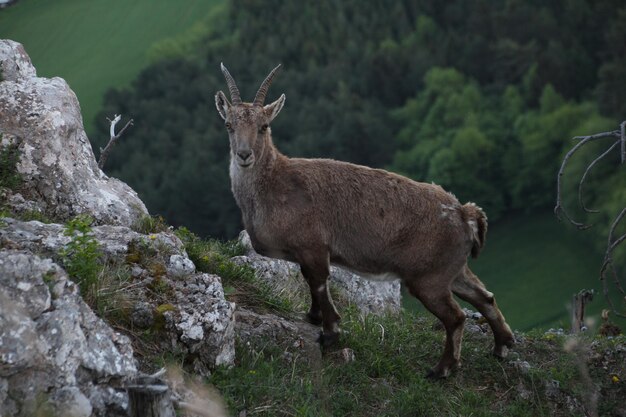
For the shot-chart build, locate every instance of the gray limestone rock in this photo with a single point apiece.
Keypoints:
(42, 118)
(369, 296)
(198, 320)
(298, 339)
(202, 323)
(16, 64)
(54, 351)
(180, 266)
(56, 356)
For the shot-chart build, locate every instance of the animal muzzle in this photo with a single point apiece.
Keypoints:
(245, 157)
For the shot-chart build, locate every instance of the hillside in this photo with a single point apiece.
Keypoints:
(101, 303)
(99, 44)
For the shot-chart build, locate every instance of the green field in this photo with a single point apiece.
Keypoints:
(97, 44)
(534, 265)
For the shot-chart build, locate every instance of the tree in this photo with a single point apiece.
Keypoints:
(610, 268)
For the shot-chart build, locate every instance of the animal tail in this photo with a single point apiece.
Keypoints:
(476, 218)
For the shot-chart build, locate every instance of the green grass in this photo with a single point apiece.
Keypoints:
(97, 44)
(9, 157)
(240, 282)
(147, 224)
(534, 264)
(387, 377)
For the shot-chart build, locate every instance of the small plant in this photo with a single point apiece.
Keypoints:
(113, 294)
(213, 257)
(9, 157)
(150, 224)
(30, 215)
(81, 256)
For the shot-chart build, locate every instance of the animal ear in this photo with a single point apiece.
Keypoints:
(222, 104)
(272, 110)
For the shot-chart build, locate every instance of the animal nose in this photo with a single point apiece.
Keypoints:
(244, 155)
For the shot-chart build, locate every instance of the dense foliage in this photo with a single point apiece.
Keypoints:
(481, 97)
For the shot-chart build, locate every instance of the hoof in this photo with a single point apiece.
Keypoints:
(435, 374)
(314, 320)
(510, 343)
(501, 350)
(327, 340)
(442, 372)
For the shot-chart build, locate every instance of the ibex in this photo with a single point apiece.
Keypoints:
(319, 212)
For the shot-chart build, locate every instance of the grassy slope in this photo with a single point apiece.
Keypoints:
(274, 377)
(387, 377)
(97, 44)
(534, 265)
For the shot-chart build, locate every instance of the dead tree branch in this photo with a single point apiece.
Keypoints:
(558, 209)
(104, 153)
(608, 265)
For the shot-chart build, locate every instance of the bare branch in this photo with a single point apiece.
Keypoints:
(558, 208)
(582, 180)
(622, 128)
(104, 153)
(113, 122)
(608, 266)
(605, 287)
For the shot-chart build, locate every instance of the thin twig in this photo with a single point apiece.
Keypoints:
(611, 244)
(104, 153)
(558, 209)
(582, 180)
(622, 128)
(605, 288)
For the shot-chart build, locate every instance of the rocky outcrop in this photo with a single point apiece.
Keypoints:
(375, 297)
(185, 307)
(56, 355)
(42, 118)
(297, 339)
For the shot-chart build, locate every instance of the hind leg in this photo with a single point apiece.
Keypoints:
(435, 295)
(316, 270)
(468, 287)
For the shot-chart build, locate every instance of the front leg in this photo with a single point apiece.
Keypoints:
(316, 271)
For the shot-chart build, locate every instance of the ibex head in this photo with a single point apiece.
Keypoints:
(247, 123)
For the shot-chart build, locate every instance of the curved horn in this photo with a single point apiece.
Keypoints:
(232, 87)
(259, 99)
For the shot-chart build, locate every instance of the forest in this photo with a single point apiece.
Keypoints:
(480, 97)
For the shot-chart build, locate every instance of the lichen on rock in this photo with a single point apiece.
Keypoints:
(42, 117)
(51, 342)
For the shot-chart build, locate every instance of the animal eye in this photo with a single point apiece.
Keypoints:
(263, 128)
(228, 126)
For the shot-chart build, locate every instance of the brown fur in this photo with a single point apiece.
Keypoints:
(320, 211)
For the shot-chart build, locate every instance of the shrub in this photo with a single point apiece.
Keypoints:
(81, 255)
(9, 157)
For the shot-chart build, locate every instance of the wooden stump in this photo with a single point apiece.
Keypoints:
(150, 397)
(579, 301)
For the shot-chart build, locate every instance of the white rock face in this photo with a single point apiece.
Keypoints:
(56, 356)
(199, 321)
(42, 118)
(376, 297)
(203, 323)
(51, 342)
